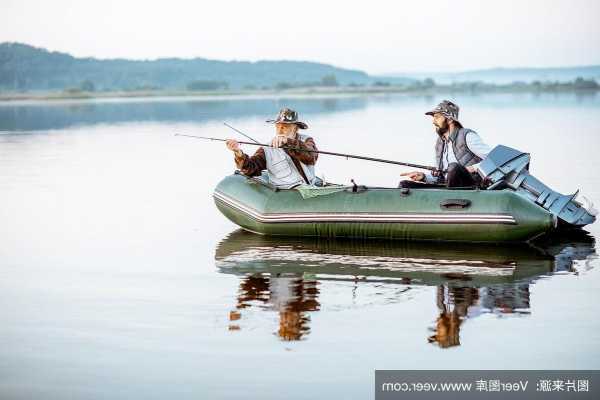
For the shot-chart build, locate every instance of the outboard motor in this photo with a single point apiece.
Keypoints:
(509, 168)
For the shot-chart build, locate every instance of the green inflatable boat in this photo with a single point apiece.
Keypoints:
(382, 213)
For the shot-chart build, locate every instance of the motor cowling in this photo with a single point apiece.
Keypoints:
(505, 167)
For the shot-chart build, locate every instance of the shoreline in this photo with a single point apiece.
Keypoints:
(310, 91)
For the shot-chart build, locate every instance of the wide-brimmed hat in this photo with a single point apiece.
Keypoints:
(447, 108)
(288, 116)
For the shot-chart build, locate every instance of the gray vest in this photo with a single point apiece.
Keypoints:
(464, 156)
(283, 172)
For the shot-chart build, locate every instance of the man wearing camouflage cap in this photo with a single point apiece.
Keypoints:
(458, 151)
(286, 168)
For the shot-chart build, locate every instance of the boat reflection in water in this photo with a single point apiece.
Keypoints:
(284, 275)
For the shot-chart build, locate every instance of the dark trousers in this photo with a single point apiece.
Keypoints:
(456, 176)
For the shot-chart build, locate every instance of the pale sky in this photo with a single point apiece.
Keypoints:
(374, 36)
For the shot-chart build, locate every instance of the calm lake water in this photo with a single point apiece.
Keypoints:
(120, 279)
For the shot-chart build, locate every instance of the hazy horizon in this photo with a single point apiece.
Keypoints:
(383, 38)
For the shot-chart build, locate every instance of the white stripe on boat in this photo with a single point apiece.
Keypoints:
(424, 218)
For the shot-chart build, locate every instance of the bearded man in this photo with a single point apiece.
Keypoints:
(458, 152)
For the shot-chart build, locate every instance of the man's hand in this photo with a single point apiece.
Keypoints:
(414, 176)
(234, 146)
(279, 141)
(471, 169)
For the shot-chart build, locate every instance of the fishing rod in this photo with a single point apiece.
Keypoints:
(240, 132)
(329, 153)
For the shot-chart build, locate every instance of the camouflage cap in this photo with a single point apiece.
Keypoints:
(447, 108)
(288, 116)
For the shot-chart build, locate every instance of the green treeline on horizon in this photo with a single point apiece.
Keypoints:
(24, 68)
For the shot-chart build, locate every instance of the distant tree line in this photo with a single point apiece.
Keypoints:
(207, 85)
(330, 81)
(26, 68)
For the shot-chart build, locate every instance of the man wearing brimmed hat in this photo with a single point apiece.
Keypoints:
(458, 151)
(285, 167)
